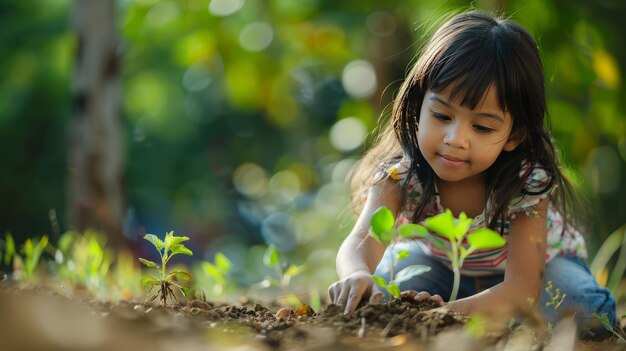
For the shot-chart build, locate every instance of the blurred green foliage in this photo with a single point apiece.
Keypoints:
(243, 117)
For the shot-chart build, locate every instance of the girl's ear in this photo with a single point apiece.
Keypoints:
(514, 140)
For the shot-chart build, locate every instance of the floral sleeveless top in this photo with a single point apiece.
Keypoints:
(559, 241)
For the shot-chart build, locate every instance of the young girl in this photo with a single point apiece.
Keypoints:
(467, 134)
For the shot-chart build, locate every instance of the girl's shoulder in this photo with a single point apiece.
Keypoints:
(396, 169)
(535, 191)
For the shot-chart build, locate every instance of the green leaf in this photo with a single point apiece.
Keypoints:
(171, 240)
(185, 290)
(409, 272)
(382, 222)
(437, 242)
(180, 249)
(270, 258)
(386, 237)
(149, 263)
(380, 281)
(462, 225)
(10, 249)
(181, 275)
(147, 281)
(485, 239)
(222, 262)
(394, 290)
(28, 248)
(155, 241)
(293, 270)
(402, 254)
(412, 230)
(213, 272)
(442, 224)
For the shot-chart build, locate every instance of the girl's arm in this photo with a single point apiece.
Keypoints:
(360, 253)
(523, 276)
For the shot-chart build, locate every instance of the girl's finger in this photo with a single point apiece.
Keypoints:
(376, 296)
(342, 297)
(356, 293)
(422, 296)
(437, 299)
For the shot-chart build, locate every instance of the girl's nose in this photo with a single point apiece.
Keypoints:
(456, 137)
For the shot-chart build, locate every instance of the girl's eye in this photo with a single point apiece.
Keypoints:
(440, 116)
(482, 129)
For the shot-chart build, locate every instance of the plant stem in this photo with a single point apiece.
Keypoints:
(455, 269)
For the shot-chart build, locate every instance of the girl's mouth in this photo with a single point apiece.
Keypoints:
(451, 161)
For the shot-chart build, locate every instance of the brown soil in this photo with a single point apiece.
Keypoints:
(36, 319)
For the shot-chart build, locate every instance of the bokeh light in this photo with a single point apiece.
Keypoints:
(348, 134)
(359, 79)
(224, 8)
(256, 36)
(251, 180)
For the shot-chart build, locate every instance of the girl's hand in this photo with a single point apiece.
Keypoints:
(349, 291)
(422, 296)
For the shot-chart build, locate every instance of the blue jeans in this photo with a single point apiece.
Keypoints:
(571, 275)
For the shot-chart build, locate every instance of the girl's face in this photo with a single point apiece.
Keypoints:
(460, 143)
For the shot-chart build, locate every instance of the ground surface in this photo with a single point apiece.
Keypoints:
(36, 319)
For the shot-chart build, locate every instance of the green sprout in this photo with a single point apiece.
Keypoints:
(83, 259)
(26, 260)
(383, 230)
(285, 272)
(218, 272)
(167, 248)
(445, 225)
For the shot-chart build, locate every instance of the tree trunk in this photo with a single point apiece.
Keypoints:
(96, 157)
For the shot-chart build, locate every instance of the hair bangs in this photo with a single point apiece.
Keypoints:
(475, 62)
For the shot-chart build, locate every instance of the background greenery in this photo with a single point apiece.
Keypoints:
(243, 117)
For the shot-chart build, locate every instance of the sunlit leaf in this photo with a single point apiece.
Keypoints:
(149, 263)
(293, 270)
(185, 290)
(442, 224)
(9, 250)
(270, 258)
(380, 281)
(171, 240)
(409, 272)
(394, 290)
(222, 262)
(462, 225)
(155, 241)
(180, 249)
(147, 281)
(28, 247)
(212, 271)
(485, 239)
(181, 275)
(382, 222)
(402, 254)
(412, 230)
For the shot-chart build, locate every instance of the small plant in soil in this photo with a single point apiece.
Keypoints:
(455, 230)
(218, 272)
(383, 230)
(26, 260)
(167, 248)
(283, 273)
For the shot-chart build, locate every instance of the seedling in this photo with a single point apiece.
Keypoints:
(383, 230)
(26, 260)
(167, 248)
(83, 259)
(445, 225)
(218, 272)
(284, 271)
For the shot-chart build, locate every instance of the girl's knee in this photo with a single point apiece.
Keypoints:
(570, 289)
